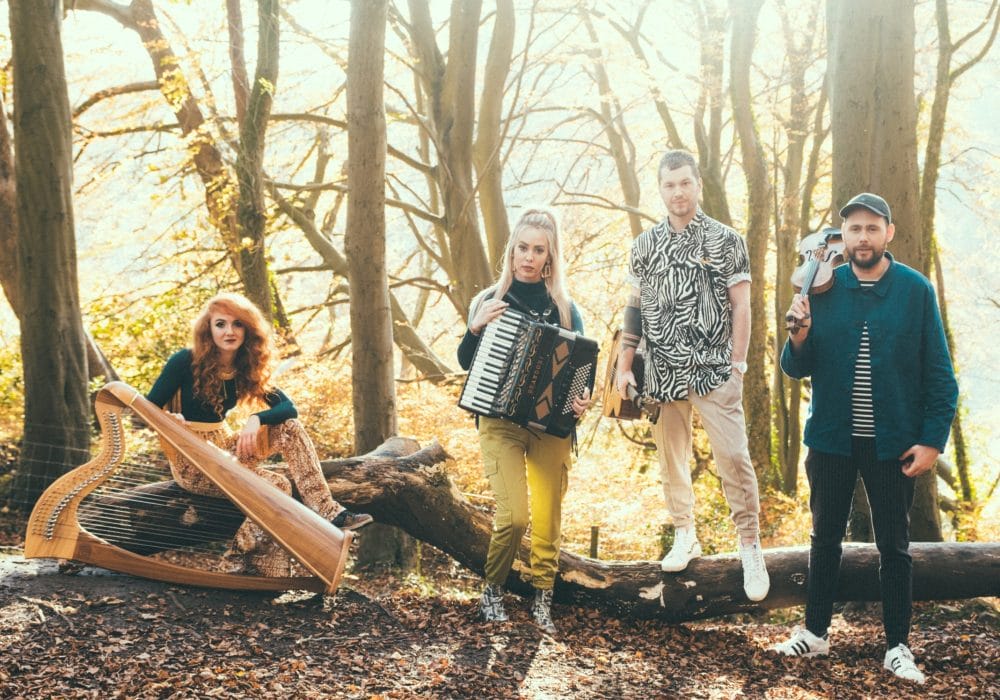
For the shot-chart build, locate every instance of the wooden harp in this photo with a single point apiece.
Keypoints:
(55, 529)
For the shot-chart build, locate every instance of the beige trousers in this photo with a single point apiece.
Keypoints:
(721, 412)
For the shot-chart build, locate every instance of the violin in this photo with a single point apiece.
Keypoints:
(819, 254)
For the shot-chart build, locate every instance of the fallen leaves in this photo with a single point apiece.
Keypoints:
(118, 637)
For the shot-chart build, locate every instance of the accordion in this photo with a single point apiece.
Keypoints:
(529, 372)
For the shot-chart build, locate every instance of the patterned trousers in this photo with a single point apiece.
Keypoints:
(251, 545)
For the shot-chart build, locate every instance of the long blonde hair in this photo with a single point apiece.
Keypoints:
(555, 283)
(252, 361)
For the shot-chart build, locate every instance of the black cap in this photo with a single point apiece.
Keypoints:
(869, 201)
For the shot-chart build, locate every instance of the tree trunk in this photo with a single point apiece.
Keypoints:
(870, 71)
(53, 350)
(489, 136)
(787, 391)
(140, 17)
(373, 388)
(945, 78)
(450, 90)
(8, 213)
(757, 393)
(405, 486)
(712, 21)
(610, 118)
(251, 211)
(405, 336)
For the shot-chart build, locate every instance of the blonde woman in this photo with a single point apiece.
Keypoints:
(519, 460)
(230, 363)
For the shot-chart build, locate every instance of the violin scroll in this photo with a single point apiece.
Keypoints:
(819, 254)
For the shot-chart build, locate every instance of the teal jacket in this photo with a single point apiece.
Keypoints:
(914, 391)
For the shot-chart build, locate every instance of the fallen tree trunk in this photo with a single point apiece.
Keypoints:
(403, 485)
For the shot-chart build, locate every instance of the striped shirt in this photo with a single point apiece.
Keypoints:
(862, 410)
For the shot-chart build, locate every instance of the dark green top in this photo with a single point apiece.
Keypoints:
(914, 392)
(177, 374)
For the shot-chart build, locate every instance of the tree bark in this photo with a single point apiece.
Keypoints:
(489, 136)
(610, 117)
(364, 240)
(712, 31)
(405, 486)
(870, 71)
(945, 78)
(757, 392)
(373, 388)
(450, 89)
(53, 349)
(787, 391)
(8, 214)
(251, 210)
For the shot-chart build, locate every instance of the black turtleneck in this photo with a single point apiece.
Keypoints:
(525, 297)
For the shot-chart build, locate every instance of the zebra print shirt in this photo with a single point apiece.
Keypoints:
(683, 278)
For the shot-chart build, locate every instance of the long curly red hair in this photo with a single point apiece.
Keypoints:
(252, 361)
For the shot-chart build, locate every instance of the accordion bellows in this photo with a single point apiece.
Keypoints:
(529, 372)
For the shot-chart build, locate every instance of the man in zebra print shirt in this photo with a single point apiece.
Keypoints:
(883, 398)
(690, 303)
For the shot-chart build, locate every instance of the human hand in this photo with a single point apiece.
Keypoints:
(177, 416)
(918, 459)
(799, 318)
(625, 378)
(582, 403)
(246, 441)
(488, 311)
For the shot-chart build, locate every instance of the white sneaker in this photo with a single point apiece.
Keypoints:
(803, 643)
(900, 661)
(686, 547)
(756, 582)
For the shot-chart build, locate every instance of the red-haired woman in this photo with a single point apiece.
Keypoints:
(230, 364)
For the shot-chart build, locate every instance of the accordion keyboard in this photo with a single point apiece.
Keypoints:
(497, 345)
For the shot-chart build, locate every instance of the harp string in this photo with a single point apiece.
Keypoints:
(136, 508)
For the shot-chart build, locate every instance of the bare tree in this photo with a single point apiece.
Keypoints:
(610, 115)
(364, 241)
(449, 86)
(945, 78)
(53, 351)
(792, 221)
(221, 192)
(251, 211)
(757, 394)
(486, 150)
(712, 23)
(870, 71)
(8, 213)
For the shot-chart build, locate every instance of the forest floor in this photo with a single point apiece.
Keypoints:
(98, 634)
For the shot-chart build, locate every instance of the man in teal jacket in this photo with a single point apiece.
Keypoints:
(883, 398)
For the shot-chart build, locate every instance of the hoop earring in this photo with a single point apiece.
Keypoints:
(547, 270)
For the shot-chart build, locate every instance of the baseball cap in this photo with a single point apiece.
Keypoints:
(869, 201)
